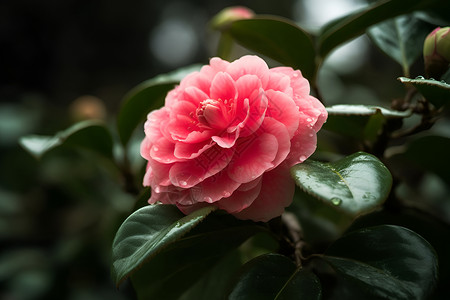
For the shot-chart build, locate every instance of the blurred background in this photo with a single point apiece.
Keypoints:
(62, 61)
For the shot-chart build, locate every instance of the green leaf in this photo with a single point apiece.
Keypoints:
(148, 231)
(188, 260)
(401, 39)
(356, 184)
(279, 39)
(362, 122)
(90, 134)
(274, 276)
(146, 97)
(436, 92)
(213, 284)
(348, 27)
(321, 223)
(385, 262)
(428, 153)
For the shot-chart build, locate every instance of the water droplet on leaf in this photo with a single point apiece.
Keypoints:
(336, 201)
(420, 77)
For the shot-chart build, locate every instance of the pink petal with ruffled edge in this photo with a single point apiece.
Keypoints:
(240, 199)
(189, 173)
(283, 108)
(299, 84)
(279, 82)
(196, 79)
(190, 151)
(249, 64)
(214, 188)
(157, 174)
(162, 151)
(303, 146)
(250, 105)
(254, 155)
(279, 131)
(277, 191)
(223, 87)
(194, 95)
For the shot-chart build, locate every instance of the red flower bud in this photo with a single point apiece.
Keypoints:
(230, 14)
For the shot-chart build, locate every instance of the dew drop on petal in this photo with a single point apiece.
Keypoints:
(207, 199)
(311, 135)
(155, 148)
(302, 158)
(309, 120)
(336, 201)
(295, 74)
(226, 194)
(157, 189)
(183, 183)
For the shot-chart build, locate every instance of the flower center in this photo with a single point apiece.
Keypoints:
(213, 114)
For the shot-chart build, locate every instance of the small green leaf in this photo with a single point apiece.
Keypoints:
(436, 92)
(279, 39)
(274, 276)
(148, 231)
(356, 184)
(362, 122)
(401, 39)
(348, 27)
(385, 262)
(187, 260)
(90, 134)
(146, 97)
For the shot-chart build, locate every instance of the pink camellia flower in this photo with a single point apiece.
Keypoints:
(227, 137)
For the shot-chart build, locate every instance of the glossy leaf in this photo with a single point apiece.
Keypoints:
(91, 134)
(188, 260)
(436, 92)
(274, 276)
(401, 39)
(385, 262)
(213, 284)
(321, 223)
(427, 227)
(348, 27)
(362, 122)
(146, 97)
(279, 39)
(148, 231)
(356, 184)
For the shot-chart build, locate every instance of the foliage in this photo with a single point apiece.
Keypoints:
(353, 231)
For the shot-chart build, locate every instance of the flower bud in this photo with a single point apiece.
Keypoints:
(233, 13)
(436, 52)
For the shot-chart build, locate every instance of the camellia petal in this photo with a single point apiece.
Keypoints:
(277, 192)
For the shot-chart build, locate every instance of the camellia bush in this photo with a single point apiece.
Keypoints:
(254, 188)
